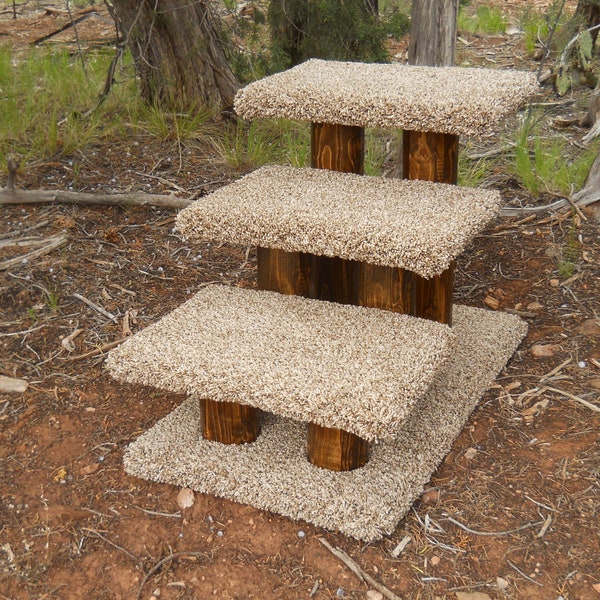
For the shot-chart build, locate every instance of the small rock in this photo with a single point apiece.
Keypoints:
(535, 306)
(340, 592)
(472, 596)
(374, 595)
(435, 560)
(185, 498)
(589, 328)
(470, 453)
(430, 496)
(555, 282)
(544, 350)
(491, 302)
(89, 469)
(301, 534)
(502, 583)
(10, 385)
(596, 587)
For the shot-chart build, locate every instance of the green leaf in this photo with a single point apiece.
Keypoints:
(585, 47)
(563, 81)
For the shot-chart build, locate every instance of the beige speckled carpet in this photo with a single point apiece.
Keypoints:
(273, 473)
(455, 100)
(415, 225)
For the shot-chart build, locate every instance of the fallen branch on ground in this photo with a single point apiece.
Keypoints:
(17, 196)
(362, 575)
(52, 244)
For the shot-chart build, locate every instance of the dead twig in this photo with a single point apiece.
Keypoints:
(575, 398)
(126, 552)
(163, 561)
(362, 575)
(158, 514)
(16, 196)
(10, 385)
(542, 532)
(493, 533)
(53, 243)
(97, 308)
(96, 351)
(523, 574)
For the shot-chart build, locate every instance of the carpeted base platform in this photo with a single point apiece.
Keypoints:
(273, 473)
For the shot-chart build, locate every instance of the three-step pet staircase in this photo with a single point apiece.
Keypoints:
(333, 391)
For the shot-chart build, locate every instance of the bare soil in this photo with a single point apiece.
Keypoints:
(513, 512)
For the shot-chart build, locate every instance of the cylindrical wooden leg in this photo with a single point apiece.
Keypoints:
(333, 279)
(433, 297)
(228, 422)
(430, 156)
(283, 272)
(386, 288)
(337, 148)
(336, 449)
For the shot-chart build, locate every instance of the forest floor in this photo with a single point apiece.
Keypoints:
(74, 525)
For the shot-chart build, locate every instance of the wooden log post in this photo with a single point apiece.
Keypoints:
(432, 157)
(337, 148)
(228, 422)
(336, 449)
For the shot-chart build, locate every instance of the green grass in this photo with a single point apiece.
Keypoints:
(486, 20)
(550, 164)
(46, 100)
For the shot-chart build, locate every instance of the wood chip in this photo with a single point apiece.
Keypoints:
(491, 302)
(10, 385)
(544, 350)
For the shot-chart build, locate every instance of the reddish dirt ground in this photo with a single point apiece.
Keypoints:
(74, 525)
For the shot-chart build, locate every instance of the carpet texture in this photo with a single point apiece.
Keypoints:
(349, 367)
(273, 473)
(415, 225)
(455, 100)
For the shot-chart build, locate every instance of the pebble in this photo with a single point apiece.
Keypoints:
(301, 534)
(185, 498)
(374, 595)
(340, 592)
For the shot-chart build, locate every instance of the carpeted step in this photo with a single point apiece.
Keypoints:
(339, 366)
(415, 225)
(273, 473)
(453, 100)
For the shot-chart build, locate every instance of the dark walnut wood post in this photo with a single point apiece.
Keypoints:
(228, 422)
(336, 449)
(337, 148)
(432, 157)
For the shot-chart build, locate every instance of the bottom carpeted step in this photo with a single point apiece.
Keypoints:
(273, 473)
(347, 367)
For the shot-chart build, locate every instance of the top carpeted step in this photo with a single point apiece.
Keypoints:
(415, 225)
(454, 100)
(349, 367)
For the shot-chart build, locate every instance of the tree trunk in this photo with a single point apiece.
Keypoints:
(177, 55)
(433, 32)
(590, 11)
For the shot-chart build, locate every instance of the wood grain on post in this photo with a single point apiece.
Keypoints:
(228, 422)
(432, 157)
(283, 272)
(336, 449)
(433, 297)
(386, 288)
(336, 148)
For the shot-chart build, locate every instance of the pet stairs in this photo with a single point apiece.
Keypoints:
(384, 394)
